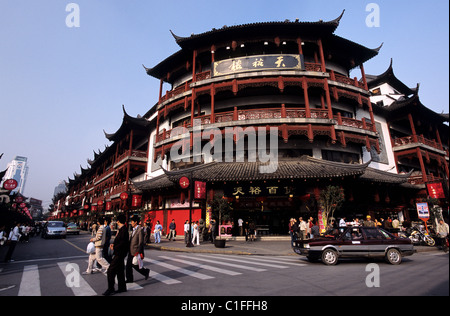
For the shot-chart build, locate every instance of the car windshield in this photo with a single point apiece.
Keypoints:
(72, 225)
(55, 224)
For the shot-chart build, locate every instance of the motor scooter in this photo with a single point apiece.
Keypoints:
(419, 236)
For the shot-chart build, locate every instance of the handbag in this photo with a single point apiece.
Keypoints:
(90, 248)
(137, 261)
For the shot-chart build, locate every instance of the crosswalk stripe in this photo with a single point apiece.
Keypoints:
(80, 288)
(203, 266)
(162, 278)
(178, 269)
(274, 260)
(226, 264)
(29, 285)
(130, 286)
(248, 262)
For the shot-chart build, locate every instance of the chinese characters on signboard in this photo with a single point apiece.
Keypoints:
(435, 190)
(258, 62)
(249, 190)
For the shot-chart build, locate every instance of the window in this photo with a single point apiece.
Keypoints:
(374, 233)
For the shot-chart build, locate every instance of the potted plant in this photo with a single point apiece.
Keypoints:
(220, 209)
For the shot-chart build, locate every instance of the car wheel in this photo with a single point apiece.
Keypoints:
(393, 256)
(329, 257)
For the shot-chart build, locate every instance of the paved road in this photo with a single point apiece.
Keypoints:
(52, 267)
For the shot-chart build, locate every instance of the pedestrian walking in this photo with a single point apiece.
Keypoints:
(172, 230)
(136, 249)
(13, 238)
(106, 239)
(120, 247)
(98, 242)
(157, 232)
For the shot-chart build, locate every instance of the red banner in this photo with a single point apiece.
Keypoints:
(136, 200)
(200, 190)
(435, 190)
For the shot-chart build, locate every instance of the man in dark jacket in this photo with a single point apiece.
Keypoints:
(121, 247)
(136, 248)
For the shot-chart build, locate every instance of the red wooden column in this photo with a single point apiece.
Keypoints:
(422, 165)
(413, 129)
(363, 75)
(438, 136)
(299, 43)
(194, 57)
(213, 115)
(322, 58)
(330, 109)
(161, 82)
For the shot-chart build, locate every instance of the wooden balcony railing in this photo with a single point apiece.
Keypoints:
(271, 113)
(416, 139)
(317, 67)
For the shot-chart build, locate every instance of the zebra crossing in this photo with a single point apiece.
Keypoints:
(166, 269)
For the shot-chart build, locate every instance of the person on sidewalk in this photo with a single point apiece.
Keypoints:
(195, 233)
(172, 230)
(137, 244)
(158, 232)
(186, 231)
(121, 247)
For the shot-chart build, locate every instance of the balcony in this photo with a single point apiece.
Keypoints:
(413, 141)
(309, 67)
(272, 116)
(136, 155)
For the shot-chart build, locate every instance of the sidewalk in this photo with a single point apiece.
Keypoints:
(273, 246)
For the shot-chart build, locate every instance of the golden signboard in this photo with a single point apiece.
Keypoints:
(258, 62)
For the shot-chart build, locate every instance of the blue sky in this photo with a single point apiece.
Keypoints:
(61, 87)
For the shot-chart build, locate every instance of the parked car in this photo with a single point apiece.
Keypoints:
(72, 228)
(54, 229)
(369, 242)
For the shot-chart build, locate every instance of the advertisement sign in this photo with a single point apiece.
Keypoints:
(225, 230)
(322, 222)
(423, 211)
(10, 184)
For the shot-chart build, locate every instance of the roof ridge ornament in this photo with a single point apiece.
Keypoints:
(338, 19)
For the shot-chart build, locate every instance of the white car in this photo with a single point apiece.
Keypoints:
(54, 229)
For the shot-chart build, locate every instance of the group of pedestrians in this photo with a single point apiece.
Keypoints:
(111, 257)
(20, 233)
(302, 229)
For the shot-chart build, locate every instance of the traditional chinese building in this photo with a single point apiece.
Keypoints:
(267, 115)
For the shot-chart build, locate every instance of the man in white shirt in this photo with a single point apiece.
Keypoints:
(13, 238)
(241, 228)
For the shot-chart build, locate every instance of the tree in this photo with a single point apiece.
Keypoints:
(331, 199)
(220, 209)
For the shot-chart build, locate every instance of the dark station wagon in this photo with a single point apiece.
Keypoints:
(369, 242)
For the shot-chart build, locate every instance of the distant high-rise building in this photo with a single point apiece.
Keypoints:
(17, 169)
(61, 188)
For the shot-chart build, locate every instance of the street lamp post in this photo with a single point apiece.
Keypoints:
(187, 182)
